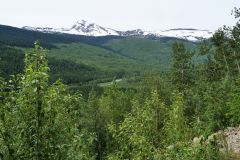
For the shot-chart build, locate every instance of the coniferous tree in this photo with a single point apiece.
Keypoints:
(182, 67)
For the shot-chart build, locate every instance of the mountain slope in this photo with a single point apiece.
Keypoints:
(111, 55)
(97, 57)
(152, 54)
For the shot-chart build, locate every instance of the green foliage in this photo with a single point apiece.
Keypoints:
(139, 135)
(190, 151)
(41, 116)
(114, 103)
(216, 98)
(226, 54)
(176, 125)
(233, 104)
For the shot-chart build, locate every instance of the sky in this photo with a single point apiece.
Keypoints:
(150, 15)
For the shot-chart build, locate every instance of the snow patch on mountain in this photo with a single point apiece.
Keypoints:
(187, 34)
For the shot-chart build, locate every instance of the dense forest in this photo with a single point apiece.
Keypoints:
(12, 63)
(42, 118)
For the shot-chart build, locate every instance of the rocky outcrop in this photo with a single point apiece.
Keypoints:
(228, 140)
(232, 137)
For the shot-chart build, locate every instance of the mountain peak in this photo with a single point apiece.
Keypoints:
(91, 29)
(83, 23)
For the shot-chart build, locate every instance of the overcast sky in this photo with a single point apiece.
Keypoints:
(120, 14)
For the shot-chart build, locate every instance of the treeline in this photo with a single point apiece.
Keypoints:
(156, 121)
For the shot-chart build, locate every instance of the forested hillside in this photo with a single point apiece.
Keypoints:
(12, 63)
(197, 95)
(114, 56)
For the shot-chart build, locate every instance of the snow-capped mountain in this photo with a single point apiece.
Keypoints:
(80, 28)
(91, 29)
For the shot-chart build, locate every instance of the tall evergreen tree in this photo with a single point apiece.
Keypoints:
(182, 67)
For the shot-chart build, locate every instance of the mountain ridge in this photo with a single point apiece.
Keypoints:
(85, 28)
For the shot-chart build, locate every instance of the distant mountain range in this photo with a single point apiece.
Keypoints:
(91, 29)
